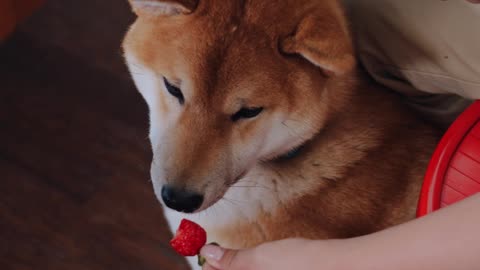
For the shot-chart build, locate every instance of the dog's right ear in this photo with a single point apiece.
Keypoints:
(323, 39)
(163, 7)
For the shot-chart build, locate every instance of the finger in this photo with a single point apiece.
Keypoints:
(208, 267)
(221, 258)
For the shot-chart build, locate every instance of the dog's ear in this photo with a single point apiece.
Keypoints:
(163, 7)
(324, 40)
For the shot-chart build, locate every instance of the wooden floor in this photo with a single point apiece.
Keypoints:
(74, 154)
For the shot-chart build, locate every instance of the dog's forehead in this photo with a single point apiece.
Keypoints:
(237, 49)
(237, 34)
(269, 16)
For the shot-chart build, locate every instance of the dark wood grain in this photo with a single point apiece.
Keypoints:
(74, 154)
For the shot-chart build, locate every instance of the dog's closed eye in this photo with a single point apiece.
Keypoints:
(163, 7)
(174, 91)
(246, 113)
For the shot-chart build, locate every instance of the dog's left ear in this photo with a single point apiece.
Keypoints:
(325, 41)
(163, 7)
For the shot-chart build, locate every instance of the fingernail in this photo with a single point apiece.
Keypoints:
(211, 252)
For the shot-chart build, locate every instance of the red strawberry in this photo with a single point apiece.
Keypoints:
(189, 238)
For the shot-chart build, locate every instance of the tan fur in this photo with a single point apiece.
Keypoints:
(364, 154)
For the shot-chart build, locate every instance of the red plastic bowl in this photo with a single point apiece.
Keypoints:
(454, 171)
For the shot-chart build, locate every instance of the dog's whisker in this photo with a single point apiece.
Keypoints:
(229, 201)
(245, 181)
(256, 185)
(211, 211)
(252, 186)
(234, 186)
(233, 200)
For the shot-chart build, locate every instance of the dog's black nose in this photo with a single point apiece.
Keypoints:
(181, 200)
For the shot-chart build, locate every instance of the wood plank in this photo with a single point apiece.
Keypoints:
(8, 18)
(13, 12)
(24, 8)
(74, 158)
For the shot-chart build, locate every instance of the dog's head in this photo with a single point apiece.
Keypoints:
(231, 84)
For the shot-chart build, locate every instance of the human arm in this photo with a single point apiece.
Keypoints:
(447, 239)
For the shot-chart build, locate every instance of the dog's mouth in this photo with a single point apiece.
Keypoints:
(293, 153)
(220, 193)
(240, 176)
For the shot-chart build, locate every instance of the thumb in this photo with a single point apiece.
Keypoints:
(223, 259)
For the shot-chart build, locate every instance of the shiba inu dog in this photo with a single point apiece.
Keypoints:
(262, 127)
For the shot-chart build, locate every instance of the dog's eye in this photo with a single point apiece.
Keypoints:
(174, 91)
(246, 113)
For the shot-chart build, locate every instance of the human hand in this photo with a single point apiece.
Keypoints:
(410, 246)
(286, 254)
